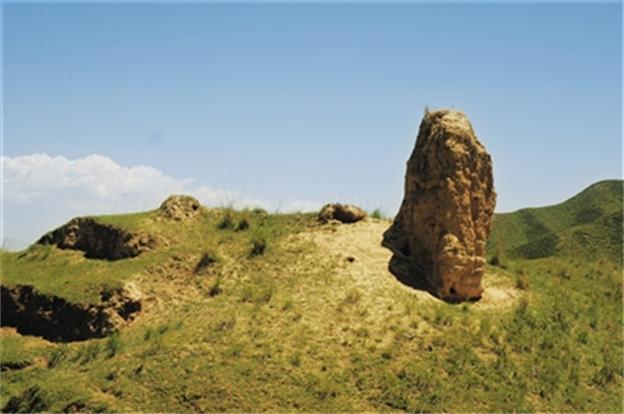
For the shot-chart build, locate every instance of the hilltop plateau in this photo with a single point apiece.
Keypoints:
(189, 308)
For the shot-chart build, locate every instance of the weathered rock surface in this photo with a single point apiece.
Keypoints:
(447, 210)
(97, 240)
(179, 208)
(343, 213)
(56, 319)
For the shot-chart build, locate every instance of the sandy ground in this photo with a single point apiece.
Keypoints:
(369, 271)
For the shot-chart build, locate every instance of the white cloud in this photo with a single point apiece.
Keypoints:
(98, 184)
(57, 189)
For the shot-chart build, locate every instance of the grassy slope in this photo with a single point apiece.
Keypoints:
(71, 276)
(284, 331)
(587, 225)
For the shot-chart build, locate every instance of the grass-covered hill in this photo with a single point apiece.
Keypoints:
(588, 225)
(249, 311)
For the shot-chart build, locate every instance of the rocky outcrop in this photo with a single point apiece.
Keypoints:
(97, 240)
(447, 210)
(56, 319)
(179, 208)
(343, 213)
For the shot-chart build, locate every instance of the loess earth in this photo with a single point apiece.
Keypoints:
(249, 311)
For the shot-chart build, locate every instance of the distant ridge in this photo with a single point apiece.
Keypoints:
(588, 225)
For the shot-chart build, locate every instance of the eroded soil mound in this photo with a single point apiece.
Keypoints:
(179, 208)
(56, 319)
(97, 240)
(343, 213)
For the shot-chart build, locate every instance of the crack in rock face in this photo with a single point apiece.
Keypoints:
(56, 319)
(444, 220)
(97, 240)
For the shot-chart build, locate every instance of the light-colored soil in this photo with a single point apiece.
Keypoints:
(369, 271)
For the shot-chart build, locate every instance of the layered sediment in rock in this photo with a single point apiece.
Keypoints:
(446, 214)
(97, 240)
(56, 319)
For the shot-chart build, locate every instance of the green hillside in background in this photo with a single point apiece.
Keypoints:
(588, 225)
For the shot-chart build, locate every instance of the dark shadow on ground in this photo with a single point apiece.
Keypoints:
(407, 274)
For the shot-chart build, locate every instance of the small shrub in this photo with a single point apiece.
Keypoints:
(295, 360)
(215, 287)
(564, 274)
(523, 307)
(226, 324)
(604, 376)
(259, 212)
(242, 225)
(387, 354)
(522, 281)
(377, 214)
(227, 221)
(162, 328)
(583, 338)
(258, 247)
(206, 260)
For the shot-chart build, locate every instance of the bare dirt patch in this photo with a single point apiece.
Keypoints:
(363, 261)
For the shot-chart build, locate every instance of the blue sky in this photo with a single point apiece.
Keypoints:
(291, 106)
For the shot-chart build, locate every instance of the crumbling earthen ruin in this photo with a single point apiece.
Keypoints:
(56, 319)
(344, 213)
(97, 240)
(442, 226)
(179, 208)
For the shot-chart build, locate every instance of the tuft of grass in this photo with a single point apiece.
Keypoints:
(353, 296)
(227, 221)
(242, 225)
(58, 355)
(33, 400)
(522, 280)
(149, 333)
(495, 260)
(215, 287)
(378, 214)
(259, 291)
(258, 246)
(259, 212)
(207, 259)
(113, 345)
